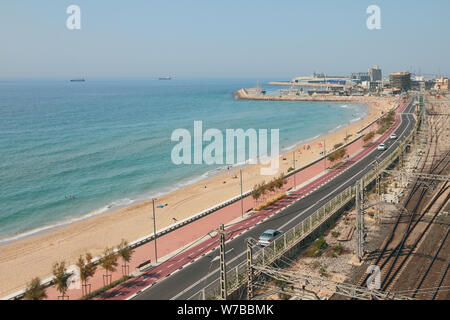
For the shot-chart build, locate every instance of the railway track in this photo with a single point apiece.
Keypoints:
(398, 262)
(441, 281)
(430, 265)
(395, 253)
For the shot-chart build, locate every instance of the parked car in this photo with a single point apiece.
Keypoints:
(393, 136)
(268, 236)
(381, 147)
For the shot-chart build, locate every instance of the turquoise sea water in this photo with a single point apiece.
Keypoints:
(69, 150)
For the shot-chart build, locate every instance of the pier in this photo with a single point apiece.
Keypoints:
(249, 94)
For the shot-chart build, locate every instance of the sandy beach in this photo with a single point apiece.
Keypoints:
(33, 256)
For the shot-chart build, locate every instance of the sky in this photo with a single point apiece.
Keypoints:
(229, 39)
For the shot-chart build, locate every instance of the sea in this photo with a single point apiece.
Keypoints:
(72, 150)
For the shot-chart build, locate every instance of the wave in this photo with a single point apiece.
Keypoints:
(355, 120)
(113, 205)
(298, 143)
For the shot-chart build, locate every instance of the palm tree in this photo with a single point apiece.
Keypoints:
(61, 277)
(35, 291)
(109, 263)
(87, 270)
(125, 252)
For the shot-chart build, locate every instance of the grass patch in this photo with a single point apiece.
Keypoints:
(336, 165)
(317, 248)
(105, 288)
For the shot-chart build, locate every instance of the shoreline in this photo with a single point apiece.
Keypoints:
(177, 185)
(93, 233)
(8, 239)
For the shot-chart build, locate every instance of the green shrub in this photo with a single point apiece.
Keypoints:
(321, 243)
(338, 154)
(386, 122)
(337, 146)
(317, 248)
(323, 272)
(369, 136)
(338, 249)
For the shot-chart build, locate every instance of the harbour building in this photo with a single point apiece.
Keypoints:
(375, 74)
(400, 80)
(320, 78)
(360, 77)
(441, 84)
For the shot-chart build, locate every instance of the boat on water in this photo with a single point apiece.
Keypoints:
(165, 78)
(77, 80)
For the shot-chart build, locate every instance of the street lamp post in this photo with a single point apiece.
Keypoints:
(293, 161)
(154, 230)
(242, 199)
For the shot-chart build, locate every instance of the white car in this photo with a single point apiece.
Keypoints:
(393, 136)
(268, 236)
(381, 147)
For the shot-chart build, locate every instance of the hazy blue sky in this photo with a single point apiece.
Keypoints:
(211, 38)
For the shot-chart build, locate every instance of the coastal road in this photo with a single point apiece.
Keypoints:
(199, 265)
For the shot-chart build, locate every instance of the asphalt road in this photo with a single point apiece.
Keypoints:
(195, 276)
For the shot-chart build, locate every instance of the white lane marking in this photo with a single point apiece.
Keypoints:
(217, 257)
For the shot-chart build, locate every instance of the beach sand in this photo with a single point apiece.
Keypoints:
(33, 256)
